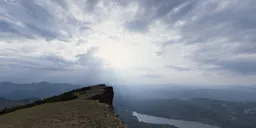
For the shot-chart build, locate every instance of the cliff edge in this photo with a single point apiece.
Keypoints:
(88, 107)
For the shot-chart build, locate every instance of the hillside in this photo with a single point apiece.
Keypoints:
(225, 114)
(80, 108)
(6, 103)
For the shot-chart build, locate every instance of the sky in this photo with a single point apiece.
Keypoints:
(200, 42)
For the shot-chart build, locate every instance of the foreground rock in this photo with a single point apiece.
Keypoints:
(89, 107)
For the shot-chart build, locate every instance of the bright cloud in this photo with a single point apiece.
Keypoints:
(148, 41)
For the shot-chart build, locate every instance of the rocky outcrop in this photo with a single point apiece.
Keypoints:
(106, 96)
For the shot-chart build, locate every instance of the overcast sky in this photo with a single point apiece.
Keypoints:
(206, 42)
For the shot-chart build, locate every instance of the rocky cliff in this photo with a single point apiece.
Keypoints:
(86, 107)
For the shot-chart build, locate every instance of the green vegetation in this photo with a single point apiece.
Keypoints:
(7, 103)
(62, 97)
(221, 113)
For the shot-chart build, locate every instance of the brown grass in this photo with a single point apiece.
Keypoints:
(78, 113)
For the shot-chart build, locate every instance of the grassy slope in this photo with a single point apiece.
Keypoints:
(77, 112)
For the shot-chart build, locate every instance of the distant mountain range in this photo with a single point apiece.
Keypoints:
(40, 90)
(226, 93)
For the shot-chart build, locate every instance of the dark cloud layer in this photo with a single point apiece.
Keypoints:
(151, 10)
(31, 19)
(220, 33)
(85, 69)
(218, 28)
(38, 20)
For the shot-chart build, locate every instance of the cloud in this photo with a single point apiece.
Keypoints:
(91, 40)
(47, 63)
(46, 41)
(88, 58)
(217, 31)
(240, 64)
(159, 53)
(152, 10)
(39, 19)
(152, 76)
(177, 68)
(85, 69)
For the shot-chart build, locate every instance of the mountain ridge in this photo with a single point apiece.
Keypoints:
(16, 91)
(90, 106)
